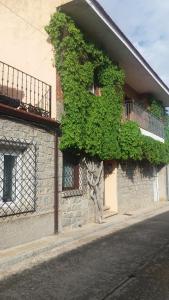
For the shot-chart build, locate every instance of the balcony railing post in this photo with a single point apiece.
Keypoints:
(50, 101)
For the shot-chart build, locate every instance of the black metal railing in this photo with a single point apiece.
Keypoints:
(23, 91)
(145, 119)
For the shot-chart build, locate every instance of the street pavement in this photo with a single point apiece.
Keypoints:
(130, 264)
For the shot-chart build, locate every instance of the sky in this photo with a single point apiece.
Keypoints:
(146, 25)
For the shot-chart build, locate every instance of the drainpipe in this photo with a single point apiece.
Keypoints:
(56, 198)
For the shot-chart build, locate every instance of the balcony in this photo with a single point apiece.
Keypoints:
(145, 119)
(24, 92)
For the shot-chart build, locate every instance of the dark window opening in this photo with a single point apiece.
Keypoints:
(95, 87)
(70, 172)
(8, 178)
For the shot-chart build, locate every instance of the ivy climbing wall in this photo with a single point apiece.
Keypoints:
(91, 125)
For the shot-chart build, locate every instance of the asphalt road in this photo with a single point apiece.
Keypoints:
(130, 264)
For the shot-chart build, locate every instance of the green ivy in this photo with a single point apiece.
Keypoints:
(155, 152)
(92, 125)
(130, 141)
(166, 129)
(157, 108)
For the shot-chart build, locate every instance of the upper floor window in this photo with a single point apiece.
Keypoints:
(95, 90)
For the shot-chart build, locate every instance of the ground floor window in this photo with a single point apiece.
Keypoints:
(9, 177)
(17, 176)
(70, 172)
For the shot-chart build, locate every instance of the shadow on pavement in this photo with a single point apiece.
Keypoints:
(97, 270)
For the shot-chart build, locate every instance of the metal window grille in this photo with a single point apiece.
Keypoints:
(68, 176)
(17, 177)
(72, 173)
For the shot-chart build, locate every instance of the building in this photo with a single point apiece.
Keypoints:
(52, 191)
(126, 185)
(28, 127)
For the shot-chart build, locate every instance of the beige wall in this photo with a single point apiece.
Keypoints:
(110, 180)
(24, 43)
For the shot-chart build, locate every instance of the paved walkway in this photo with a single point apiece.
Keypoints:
(109, 267)
(22, 257)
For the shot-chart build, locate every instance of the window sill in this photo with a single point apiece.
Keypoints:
(72, 193)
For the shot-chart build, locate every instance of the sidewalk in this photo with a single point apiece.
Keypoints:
(19, 258)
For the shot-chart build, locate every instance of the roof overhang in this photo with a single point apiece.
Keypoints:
(95, 22)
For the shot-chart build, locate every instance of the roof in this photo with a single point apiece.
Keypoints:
(97, 24)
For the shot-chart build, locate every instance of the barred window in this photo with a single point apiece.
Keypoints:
(70, 172)
(17, 177)
(9, 178)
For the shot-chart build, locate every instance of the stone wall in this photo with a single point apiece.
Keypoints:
(23, 228)
(135, 186)
(75, 207)
(75, 204)
(74, 210)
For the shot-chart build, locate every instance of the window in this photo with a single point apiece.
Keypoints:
(70, 172)
(17, 176)
(9, 182)
(92, 89)
(95, 90)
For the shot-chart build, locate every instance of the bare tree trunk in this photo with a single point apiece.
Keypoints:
(94, 172)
